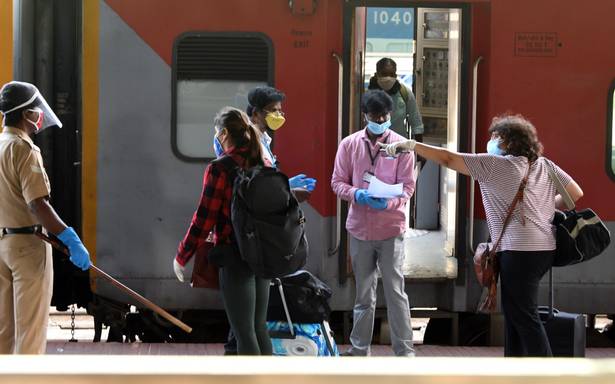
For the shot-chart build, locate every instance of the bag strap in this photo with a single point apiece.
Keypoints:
(560, 187)
(518, 197)
(404, 93)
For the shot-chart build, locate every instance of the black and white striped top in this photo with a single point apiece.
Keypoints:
(499, 178)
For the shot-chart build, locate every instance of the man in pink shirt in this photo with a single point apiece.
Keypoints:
(376, 225)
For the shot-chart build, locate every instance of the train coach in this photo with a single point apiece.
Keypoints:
(137, 83)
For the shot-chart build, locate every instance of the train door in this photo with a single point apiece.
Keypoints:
(425, 43)
(437, 93)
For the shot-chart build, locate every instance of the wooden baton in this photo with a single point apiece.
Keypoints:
(62, 248)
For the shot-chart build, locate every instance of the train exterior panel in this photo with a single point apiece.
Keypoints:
(140, 185)
(145, 194)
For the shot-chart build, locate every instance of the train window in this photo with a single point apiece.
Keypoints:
(611, 132)
(210, 71)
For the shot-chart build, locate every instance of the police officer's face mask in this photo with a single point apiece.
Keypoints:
(38, 124)
(22, 95)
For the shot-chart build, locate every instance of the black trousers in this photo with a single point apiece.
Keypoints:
(520, 274)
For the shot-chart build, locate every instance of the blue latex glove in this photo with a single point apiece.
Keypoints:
(297, 181)
(301, 181)
(310, 184)
(361, 197)
(78, 254)
(377, 202)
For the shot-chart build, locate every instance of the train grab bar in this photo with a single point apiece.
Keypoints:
(473, 148)
(338, 215)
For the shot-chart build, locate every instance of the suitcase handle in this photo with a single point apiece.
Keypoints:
(551, 300)
(552, 311)
(278, 282)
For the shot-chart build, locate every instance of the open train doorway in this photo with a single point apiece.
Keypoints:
(426, 46)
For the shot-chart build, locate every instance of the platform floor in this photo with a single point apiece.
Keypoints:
(96, 369)
(56, 347)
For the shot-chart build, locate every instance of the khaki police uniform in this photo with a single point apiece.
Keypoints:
(26, 269)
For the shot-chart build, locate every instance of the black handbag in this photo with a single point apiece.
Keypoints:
(579, 235)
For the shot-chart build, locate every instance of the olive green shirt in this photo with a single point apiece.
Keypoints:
(403, 109)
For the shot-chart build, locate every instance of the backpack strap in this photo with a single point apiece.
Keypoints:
(403, 91)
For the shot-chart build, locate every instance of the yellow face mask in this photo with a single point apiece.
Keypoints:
(274, 120)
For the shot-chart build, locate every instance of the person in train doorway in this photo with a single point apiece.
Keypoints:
(26, 268)
(265, 112)
(527, 247)
(405, 117)
(244, 294)
(376, 226)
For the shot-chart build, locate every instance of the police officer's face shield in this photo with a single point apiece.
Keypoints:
(35, 109)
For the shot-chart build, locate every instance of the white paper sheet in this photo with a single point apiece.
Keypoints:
(378, 188)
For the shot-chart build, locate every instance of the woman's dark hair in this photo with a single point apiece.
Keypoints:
(519, 137)
(260, 97)
(377, 102)
(384, 62)
(241, 133)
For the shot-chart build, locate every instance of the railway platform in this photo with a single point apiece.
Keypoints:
(97, 369)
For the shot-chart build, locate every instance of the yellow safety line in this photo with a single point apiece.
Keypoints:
(6, 42)
(91, 20)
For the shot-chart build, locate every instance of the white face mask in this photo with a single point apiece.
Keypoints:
(386, 82)
(38, 124)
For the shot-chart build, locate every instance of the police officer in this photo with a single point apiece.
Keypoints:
(26, 269)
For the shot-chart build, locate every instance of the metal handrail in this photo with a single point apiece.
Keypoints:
(338, 216)
(473, 147)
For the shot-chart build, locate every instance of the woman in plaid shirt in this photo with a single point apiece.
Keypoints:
(245, 295)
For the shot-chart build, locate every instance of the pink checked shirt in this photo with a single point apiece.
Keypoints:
(351, 162)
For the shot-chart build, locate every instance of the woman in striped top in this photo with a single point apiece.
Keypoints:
(527, 248)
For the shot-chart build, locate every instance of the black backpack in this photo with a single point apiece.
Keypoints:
(307, 299)
(268, 225)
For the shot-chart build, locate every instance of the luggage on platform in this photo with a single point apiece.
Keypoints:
(299, 339)
(566, 331)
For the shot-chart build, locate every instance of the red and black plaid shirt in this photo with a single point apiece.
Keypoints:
(214, 211)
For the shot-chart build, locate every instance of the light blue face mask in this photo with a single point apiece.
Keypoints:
(493, 147)
(378, 129)
(218, 147)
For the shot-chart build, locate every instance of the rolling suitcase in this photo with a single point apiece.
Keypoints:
(566, 331)
(300, 339)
